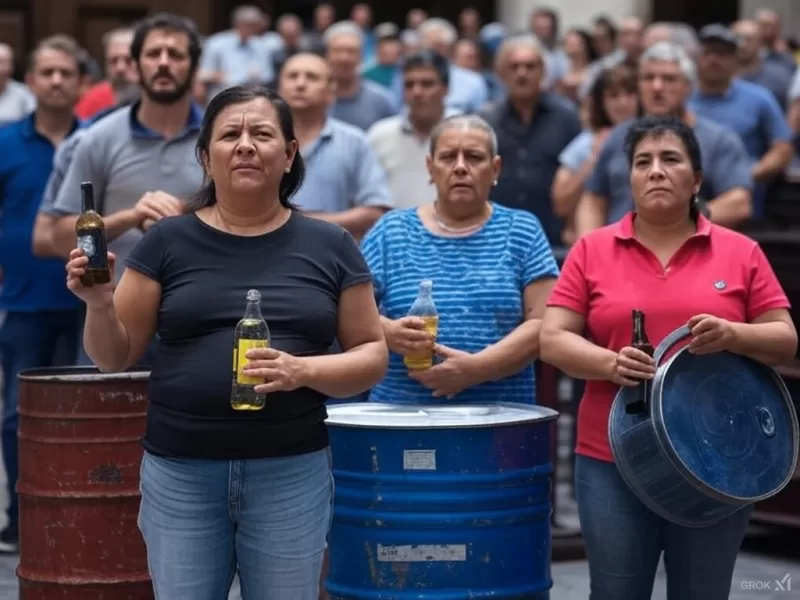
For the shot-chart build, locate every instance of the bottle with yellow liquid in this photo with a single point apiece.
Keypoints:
(251, 332)
(425, 309)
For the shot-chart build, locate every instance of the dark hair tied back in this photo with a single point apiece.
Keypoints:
(656, 127)
(239, 94)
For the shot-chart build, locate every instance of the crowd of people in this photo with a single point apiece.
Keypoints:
(335, 168)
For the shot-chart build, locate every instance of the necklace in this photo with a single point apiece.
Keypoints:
(458, 231)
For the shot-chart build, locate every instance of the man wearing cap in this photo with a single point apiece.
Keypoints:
(744, 107)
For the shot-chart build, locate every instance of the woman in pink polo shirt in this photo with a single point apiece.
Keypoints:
(679, 268)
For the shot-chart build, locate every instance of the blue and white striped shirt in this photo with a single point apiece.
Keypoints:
(478, 283)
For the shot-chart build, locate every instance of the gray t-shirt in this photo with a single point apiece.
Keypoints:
(371, 104)
(124, 161)
(725, 166)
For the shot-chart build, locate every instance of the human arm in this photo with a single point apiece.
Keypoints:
(117, 333)
(561, 341)
(729, 175)
(364, 359)
(44, 226)
(592, 209)
(768, 335)
(577, 160)
(519, 347)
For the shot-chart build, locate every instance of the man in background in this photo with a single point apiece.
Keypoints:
(121, 76)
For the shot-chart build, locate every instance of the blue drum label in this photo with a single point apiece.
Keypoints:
(423, 553)
(419, 460)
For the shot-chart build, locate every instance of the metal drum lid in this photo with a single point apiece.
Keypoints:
(730, 421)
(405, 416)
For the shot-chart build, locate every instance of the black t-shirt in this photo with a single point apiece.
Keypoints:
(300, 270)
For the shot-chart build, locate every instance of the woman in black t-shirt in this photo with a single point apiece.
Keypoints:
(227, 490)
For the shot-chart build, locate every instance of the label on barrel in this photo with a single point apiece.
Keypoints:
(422, 553)
(419, 460)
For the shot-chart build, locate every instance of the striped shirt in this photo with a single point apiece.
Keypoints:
(478, 283)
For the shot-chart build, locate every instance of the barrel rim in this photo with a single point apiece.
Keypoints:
(665, 441)
(544, 415)
(80, 375)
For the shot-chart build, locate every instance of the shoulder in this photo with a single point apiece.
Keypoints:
(753, 92)
(113, 127)
(517, 221)
(599, 241)
(376, 90)
(712, 136)
(730, 241)
(394, 223)
(384, 128)
(13, 132)
(346, 132)
(559, 106)
(492, 111)
(321, 232)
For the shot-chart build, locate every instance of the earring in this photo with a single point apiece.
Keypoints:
(288, 169)
(495, 183)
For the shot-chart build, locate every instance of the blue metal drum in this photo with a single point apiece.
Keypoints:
(443, 502)
(719, 433)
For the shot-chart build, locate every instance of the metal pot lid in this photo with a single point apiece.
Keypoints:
(444, 416)
(729, 420)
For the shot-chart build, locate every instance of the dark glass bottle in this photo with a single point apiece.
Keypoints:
(641, 342)
(91, 232)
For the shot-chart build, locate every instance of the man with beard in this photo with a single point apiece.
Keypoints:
(141, 158)
(40, 315)
(120, 75)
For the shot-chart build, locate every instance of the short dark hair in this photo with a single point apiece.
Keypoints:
(60, 43)
(169, 22)
(290, 182)
(656, 127)
(428, 59)
(620, 77)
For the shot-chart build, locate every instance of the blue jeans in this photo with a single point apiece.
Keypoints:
(624, 541)
(267, 519)
(29, 341)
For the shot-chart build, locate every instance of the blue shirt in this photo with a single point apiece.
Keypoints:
(753, 113)
(725, 166)
(30, 284)
(370, 104)
(342, 172)
(478, 282)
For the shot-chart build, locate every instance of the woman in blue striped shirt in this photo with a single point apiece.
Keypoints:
(492, 270)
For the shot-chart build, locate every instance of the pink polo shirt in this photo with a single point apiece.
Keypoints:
(608, 273)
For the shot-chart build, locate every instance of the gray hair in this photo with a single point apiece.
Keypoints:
(463, 123)
(442, 26)
(527, 41)
(344, 29)
(671, 52)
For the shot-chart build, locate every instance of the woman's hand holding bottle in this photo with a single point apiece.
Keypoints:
(94, 295)
(630, 367)
(407, 336)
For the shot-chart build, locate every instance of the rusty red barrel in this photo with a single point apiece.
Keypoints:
(79, 459)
